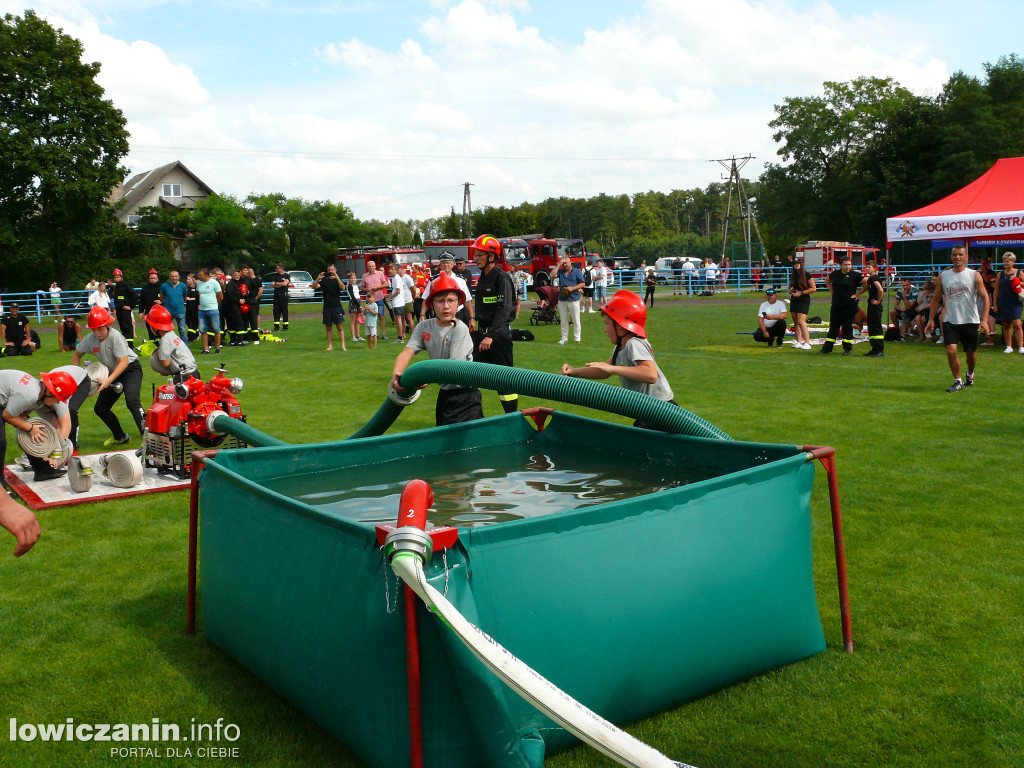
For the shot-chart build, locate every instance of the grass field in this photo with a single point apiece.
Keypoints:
(91, 620)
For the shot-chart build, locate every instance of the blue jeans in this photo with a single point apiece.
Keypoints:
(179, 321)
(209, 320)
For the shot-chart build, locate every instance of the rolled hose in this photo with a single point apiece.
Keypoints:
(124, 470)
(53, 444)
(566, 389)
(532, 686)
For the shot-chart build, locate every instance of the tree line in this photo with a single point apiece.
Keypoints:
(848, 158)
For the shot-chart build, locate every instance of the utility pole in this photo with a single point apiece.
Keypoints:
(743, 202)
(467, 212)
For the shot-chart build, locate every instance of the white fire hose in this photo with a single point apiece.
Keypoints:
(538, 690)
(124, 470)
(53, 445)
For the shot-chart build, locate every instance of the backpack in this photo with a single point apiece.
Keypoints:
(588, 277)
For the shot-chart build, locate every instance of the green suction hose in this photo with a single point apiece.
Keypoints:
(225, 425)
(658, 413)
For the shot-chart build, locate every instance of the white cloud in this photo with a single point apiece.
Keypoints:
(682, 81)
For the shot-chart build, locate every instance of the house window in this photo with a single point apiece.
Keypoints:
(172, 190)
(133, 220)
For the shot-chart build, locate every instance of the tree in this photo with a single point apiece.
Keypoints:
(61, 144)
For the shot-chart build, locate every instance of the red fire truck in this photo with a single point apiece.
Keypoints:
(545, 253)
(822, 256)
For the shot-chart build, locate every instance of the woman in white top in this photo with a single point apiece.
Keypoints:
(100, 297)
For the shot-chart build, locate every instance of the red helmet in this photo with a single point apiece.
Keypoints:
(442, 284)
(60, 384)
(159, 318)
(244, 308)
(118, 273)
(491, 245)
(243, 289)
(628, 311)
(98, 317)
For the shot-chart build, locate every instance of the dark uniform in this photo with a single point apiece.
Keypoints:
(281, 301)
(251, 319)
(16, 330)
(876, 333)
(844, 309)
(232, 308)
(494, 305)
(192, 312)
(124, 296)
(149, 294)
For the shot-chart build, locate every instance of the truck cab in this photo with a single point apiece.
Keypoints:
(546, 252)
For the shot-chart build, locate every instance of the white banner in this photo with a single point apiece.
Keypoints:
(970, 225)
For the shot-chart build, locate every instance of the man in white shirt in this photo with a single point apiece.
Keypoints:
(601, 274)
(710, 277)
(771, 319)
(688, 277)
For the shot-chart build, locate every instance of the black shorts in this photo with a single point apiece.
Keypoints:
(588, 292)
(800, 305)
(965, 335)
(354, 307)
(333, 315)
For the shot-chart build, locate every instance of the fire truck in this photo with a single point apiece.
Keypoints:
(545, 253)
(822, 256)
(355, 259)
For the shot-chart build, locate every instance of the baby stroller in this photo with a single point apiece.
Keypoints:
(546, 308)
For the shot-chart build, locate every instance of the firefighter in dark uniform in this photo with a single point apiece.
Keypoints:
(149, 294)
(191, 307)
(124, 306)
(843, 284)
(281, 282)
(494, 307)
(251, 297)
(231, 306)
(876, 295)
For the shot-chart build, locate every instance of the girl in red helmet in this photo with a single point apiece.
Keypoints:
(632, 359)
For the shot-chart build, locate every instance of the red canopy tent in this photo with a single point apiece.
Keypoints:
(991, 206)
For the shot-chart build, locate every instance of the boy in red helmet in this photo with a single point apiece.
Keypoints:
(494, 308)
(110, 348)
(172, 357)
(444, 337)
(632, 359)
(20, 394)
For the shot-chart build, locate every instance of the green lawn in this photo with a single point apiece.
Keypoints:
(92, 618)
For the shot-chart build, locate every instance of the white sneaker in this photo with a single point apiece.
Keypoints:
(1008, 350)
(1021, 350)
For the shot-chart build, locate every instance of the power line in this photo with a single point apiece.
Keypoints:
(372, 157)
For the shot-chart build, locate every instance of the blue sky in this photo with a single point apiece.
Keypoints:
(389, 106)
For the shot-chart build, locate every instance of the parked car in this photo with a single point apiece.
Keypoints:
(301, 286)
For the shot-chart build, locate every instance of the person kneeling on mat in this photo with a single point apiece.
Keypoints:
(20, 394)
(444, 337)
(111, 348)
(172, 357)
(632, 360)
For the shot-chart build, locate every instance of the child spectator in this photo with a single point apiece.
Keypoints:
(444, 337)
(632, 360)
(371, 310)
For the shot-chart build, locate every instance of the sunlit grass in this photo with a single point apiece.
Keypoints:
(92, 619)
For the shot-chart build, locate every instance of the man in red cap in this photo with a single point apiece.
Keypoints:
(149, 295)
(124, 305)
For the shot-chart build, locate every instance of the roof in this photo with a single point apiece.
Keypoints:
(138, 185)
(991, 205)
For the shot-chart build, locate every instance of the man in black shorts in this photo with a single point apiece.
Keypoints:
(959, 289)
(332, 286)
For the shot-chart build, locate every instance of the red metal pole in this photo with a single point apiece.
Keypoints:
(193, 538)
(412, 670)
(827, 458)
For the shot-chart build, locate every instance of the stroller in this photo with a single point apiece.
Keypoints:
(546, 308)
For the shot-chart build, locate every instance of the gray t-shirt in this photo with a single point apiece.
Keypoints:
(77, 373)
(441, 343)
(107, 351)
(19, 392)
(172, 348)
(635, 350)
(959, 296)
